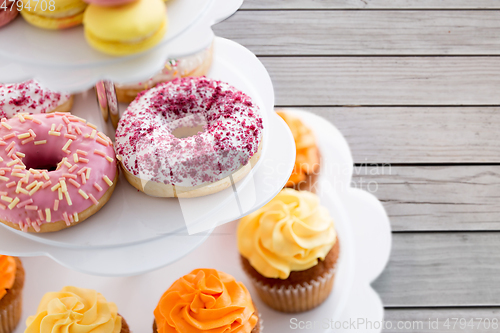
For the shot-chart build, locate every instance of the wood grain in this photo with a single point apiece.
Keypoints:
(418, 134)
(417, 320)
(442, 269)
(365, 32)
(435, 198)
(375, 81)
(369, 4)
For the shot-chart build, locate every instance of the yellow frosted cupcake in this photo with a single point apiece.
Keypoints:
(76, 310)
(289, 249)
(206, 300)
(54, 14)
(125, 29)
(11, 292)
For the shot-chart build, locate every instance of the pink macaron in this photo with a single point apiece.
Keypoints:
(108, 3)
(7, 15)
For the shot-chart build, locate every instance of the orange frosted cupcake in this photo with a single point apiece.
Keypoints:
(289, 249)
(11, 292)
(206, 300)
(307, 159)
(76, 310)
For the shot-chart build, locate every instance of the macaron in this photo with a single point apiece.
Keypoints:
(126, 29)
(60, 14)
(7, 16)
(107, 3)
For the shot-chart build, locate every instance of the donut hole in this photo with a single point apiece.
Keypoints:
(188, 125)
(186, 132)
(42, 161)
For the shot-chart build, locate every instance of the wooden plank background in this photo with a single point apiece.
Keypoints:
(386, 81)
(414, 85)
(418, 134)
(370, 4)
(362, 32)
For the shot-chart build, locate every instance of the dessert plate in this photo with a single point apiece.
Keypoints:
(62, 60)
(140, 225)
(365, 241)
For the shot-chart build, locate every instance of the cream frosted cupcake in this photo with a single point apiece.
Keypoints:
(289, 249)
(11, 292)
(76, 310)
(206, 300)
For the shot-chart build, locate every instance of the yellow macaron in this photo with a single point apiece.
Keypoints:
(125, 29)
(54, 14)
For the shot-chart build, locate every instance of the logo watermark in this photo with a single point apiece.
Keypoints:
(430, 324)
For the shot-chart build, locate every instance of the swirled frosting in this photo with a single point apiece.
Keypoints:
(75, 310)
(288, 234)
(206, 300)
(306, 149)
(29, 97)
(7, 274)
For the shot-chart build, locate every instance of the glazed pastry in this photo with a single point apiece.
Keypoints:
(307, 158)
(55, 171)
(127, 29)
(194, 66)
(76, 310)
(184, 138)
(31, 98)
(7, 15)
(58, 14)
(289, 249)
(206, 300)
(11, 293)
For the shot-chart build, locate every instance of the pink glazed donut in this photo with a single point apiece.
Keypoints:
(56, 170)
(188, 137)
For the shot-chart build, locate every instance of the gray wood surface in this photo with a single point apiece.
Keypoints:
(369, 4)
(417, 320)
(418, 134)
(347, 32)
(345, 81)
(442, 269)
(435, 198)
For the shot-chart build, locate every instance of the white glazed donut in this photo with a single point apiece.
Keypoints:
(160, 161)
(32, 98)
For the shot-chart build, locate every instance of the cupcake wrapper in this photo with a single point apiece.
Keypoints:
(298, 298)
(11, 315)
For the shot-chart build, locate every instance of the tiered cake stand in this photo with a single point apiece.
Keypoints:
(132, 225)
(365, 240)
(134, 235)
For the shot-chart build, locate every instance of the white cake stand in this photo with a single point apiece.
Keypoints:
(135, 233)
(365, 242)
(62, 60)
